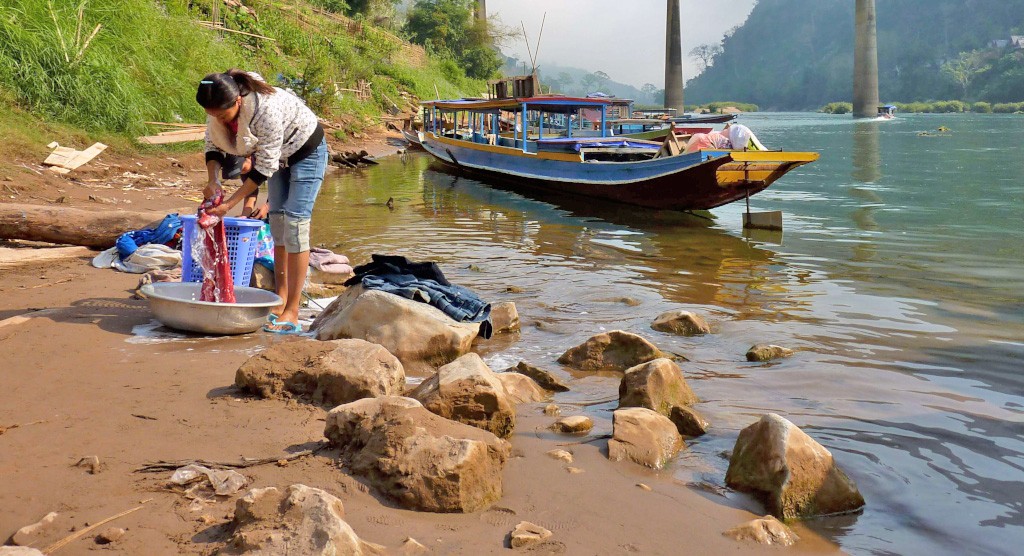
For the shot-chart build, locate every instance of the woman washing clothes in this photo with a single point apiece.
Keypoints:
(247, 117)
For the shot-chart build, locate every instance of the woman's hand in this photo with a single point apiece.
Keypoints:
(220, 210)
(212, 189)
(260, 212)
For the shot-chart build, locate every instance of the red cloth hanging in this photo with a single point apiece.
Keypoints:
(218, 285)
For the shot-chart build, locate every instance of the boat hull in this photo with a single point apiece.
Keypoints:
(696, 181)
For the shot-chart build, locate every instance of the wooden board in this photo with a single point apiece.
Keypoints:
(85, 156)
(173, 137)
(64, 159)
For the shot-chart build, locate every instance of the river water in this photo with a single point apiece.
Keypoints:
(899, 278)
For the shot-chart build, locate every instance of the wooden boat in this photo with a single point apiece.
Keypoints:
(887, 111)
(414, 138)
(703, 118)
(468, 135)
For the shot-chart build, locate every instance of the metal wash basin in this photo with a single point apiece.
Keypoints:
(177, 305)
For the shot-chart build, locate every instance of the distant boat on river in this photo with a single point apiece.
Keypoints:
(536, 142)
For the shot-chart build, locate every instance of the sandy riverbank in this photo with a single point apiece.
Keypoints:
(80, 383)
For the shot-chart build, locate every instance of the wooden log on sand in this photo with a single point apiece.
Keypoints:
(71, 226)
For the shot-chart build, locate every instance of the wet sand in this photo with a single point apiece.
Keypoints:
(79, 383)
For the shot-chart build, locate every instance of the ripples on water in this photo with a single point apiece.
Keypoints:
(900, 278)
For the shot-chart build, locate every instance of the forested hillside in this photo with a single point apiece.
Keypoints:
(109, 66)
(798, 54)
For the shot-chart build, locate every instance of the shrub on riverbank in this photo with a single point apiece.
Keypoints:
(110, 65)
(837, 108)
(935, 107)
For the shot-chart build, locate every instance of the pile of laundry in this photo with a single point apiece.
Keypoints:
(140, 251)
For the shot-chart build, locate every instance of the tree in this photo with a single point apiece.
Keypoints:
(651, 91)
(705, 54)
(964, 68)
(446, 28)
(589, 82)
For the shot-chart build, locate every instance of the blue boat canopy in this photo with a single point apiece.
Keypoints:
(556, 104)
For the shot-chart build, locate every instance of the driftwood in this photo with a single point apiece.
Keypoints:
(71, 226)
(83, 532)
(164, 465)
(353, 159)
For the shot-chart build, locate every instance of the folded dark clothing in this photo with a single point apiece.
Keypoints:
(426, 283)
(394, 264)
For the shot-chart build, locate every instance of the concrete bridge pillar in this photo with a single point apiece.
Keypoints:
(865, 62)
(673, 59)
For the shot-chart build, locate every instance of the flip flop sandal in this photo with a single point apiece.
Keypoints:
(283, 327)
(271, 318)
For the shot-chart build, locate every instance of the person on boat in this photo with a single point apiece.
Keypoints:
(742, 138)
(248, 117)
(712, 140)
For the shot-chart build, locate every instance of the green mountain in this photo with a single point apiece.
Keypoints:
(798, 54)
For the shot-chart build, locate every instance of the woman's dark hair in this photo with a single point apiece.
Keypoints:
(219, 90)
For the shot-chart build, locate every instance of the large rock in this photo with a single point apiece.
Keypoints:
(794, 475)
(657, 385)
(416, 458)
(611, 351)
(683, 323)
(19, 551)
(327, 373)
(643, 436)
(546, 379)
(688, 422)
(302, 520)
(468, 391)
(504, 317)
(767, 352)
(422, 337)
(765, 530)
(521, 388)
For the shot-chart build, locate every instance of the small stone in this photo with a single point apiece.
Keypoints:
(19, 551)
(561, 455)
(111, 535)
(91, 464)
(574, 424)
(683, 323)
(551, 410)
(643, 487)
(546, 379)
(207, 519)
(573, 470)
(282, 463)
(766, 530)
(514, 289)
(412, 546)
(767, 352)
(527, 533)
(32, 534)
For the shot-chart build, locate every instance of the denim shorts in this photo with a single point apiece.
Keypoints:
(293, 189)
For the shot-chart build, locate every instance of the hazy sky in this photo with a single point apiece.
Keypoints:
(623, 38)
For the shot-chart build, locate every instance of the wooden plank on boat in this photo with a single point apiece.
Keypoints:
(763, 220)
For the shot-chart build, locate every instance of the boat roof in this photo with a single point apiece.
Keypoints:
(545, 103)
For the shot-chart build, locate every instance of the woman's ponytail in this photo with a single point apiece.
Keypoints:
(247, 83)
(220, 90)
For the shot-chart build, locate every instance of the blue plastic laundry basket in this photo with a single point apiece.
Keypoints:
(241, 234)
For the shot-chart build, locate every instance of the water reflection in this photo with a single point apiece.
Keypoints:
(909, 339)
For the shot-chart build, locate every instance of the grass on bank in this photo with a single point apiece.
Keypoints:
(107, 66)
